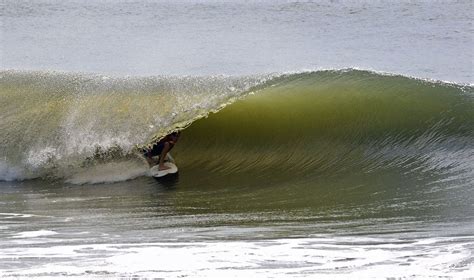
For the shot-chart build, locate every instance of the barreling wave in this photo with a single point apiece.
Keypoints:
(322, 124)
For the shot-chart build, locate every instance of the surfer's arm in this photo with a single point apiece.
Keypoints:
(150, 161)
(164, 152)
(148, 158)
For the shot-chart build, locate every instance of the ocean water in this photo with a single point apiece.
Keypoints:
(320, 139)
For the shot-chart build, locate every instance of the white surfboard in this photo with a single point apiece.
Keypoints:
(156, 172)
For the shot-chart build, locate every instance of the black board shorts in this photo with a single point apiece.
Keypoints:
(155, 150)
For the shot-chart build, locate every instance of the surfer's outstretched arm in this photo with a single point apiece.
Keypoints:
(164, 152)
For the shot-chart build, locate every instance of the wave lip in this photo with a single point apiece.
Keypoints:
(52, 122)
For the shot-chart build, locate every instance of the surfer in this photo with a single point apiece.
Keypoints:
(161, 149)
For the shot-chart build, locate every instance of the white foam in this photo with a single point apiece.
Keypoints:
(10, 173)
(17, 215)
(39, 157)
(326, 258)
(109, 173)
(36, 233)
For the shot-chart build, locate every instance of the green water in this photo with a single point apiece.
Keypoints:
(332, 173)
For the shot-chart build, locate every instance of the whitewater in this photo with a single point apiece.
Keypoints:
(319, 139)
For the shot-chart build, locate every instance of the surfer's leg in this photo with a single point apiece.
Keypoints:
(163, 155)
(150, 159)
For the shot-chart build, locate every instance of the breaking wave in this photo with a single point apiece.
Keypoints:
(324, 124)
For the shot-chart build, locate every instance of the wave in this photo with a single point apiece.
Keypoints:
(307, 125)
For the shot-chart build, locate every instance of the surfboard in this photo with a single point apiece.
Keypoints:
(155, 172)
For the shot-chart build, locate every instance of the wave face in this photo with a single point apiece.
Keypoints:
(347, 125)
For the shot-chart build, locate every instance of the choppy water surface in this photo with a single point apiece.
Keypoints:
(176, 228)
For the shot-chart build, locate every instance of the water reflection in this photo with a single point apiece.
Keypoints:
(170, 181)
